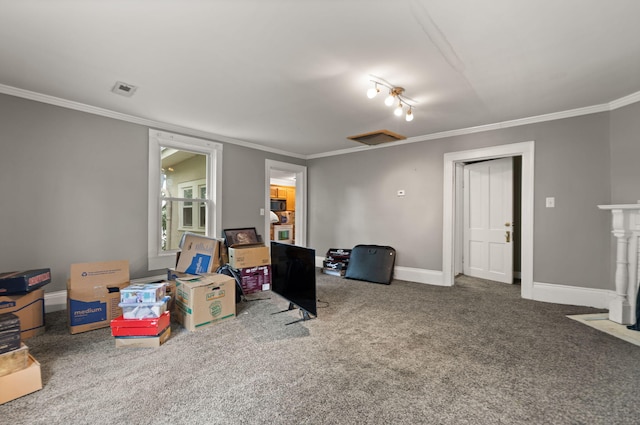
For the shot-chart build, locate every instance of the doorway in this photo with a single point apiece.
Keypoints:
(453, 209)
(287, 224)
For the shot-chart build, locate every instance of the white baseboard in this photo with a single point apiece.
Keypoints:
(410, 274)
(55, 301)
(572, 295)
(149, 279)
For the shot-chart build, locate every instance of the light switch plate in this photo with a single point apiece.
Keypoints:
(551, 202)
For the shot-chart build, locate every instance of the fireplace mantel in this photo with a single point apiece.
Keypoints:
(625, 219)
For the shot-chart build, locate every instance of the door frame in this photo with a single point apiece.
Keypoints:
(452, 209)
(301, 198)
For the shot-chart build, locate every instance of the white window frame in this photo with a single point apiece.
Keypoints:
(195, 186)
(158, 259)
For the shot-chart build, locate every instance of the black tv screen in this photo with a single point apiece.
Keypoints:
(293, 275)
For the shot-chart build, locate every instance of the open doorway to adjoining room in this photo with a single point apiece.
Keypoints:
(285, 202)
(452, 208)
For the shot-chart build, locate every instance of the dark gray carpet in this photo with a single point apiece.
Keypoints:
(401, 354)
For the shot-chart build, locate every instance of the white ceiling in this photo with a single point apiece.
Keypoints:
(291, 75)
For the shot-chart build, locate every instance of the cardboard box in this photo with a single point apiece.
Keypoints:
(22, 382)
(15, 360)
(250, 256)
(140, 327)
(20, 282)
(255, 279)
(171, 292)
(144, 341)
(173, 274)
(29, 308)
(224, 254)
(205, 300)
(143, 293)
(199, 254)
(145, 310)
(93, 294)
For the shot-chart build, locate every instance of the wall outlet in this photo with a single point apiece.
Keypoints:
(551, 202)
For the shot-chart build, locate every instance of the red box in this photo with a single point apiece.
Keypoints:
(255, 279)
(140, 327)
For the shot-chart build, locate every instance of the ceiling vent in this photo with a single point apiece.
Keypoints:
(377, 137)
(124, 89)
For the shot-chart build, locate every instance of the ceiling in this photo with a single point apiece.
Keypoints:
(292, 75)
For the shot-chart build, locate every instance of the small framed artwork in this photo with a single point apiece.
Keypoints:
(239, 237)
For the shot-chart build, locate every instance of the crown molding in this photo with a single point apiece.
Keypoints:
(605, 107)
(624, 101)
(52, 100)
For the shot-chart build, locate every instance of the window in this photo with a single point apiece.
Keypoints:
(187, 214)
(184, 192)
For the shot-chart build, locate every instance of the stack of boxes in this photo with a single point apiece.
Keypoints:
(21, 293)
(145, 319)
(250, 258)
(202, 297)
(19, 370)
(336, 261)
(21, 317)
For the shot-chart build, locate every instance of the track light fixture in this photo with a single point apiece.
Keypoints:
(373, 91)
(395, 97)
(398, 111)
(409, 116)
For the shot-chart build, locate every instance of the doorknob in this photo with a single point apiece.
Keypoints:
(507, 224)
(508, 236)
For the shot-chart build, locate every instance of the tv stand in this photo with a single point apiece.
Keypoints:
(305, 315)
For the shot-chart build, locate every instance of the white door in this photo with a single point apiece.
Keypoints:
(488, 220)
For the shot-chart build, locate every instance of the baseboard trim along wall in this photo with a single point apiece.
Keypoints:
(55, 301)
(545, 292)
(410, 274)
(572, 295)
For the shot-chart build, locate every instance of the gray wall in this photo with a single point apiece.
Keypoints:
(243, 186)
(625, 154)
(73, 188)
(353, 198)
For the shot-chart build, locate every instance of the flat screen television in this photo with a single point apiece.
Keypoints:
(293, 276)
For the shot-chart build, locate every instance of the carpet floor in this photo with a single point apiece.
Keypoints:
(406, 353)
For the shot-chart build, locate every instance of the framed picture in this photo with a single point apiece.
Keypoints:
(238, 237)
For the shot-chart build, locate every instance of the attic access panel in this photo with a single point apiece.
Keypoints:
(377, 137)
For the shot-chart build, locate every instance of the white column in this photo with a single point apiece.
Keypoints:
(619, 307)
(622, 307)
